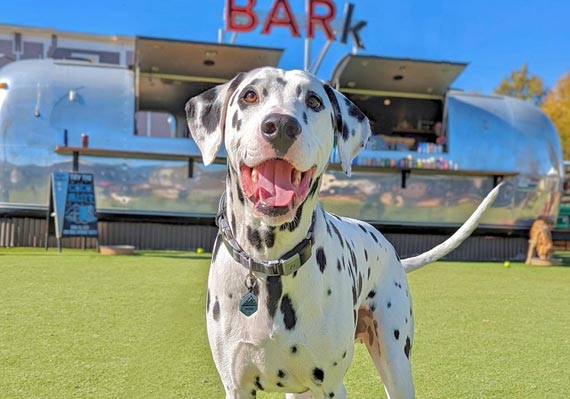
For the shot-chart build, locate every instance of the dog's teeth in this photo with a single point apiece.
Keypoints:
(254, 175)
(296, 178)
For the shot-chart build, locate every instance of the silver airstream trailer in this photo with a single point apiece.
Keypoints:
(51, 110)
(436, 152)
(434, 155)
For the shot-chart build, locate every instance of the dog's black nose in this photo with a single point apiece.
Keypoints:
(280, 127)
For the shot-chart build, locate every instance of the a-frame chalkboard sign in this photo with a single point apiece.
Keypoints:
(72, 211)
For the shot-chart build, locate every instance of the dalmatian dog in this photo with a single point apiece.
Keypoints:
(291, 287)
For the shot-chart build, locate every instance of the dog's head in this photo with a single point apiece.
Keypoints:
(279, 128)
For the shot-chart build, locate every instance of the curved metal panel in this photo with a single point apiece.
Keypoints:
(401, 75)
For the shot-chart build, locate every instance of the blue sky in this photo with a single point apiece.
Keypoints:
(493, 36)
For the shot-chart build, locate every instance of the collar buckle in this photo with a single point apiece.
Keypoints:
(289, 265)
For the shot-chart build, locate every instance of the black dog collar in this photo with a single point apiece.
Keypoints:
(289, 263)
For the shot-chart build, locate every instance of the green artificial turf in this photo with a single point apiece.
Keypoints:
(81, 325)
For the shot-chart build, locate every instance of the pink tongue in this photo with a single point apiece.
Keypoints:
(275, 187)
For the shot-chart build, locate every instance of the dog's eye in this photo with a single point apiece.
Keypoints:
(314, 102)
(250, 97)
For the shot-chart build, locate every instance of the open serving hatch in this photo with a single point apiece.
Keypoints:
(404, 99)
(169, 72)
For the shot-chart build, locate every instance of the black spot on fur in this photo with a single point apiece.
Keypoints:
(336, 122)
(210, 96)
(305, 118)
(240, 194)
(318, 375)
(329, 231)
(238, 125)
(294, 349)
(338, 235)
(269, 238)
(291, 226)
(289, 316)
(253, 393)
(407, 347)
(372, 307)
(258, 383)
(331, 395)
(344, 131)
(211, 116)
(216, 310)
(329, 292)
(274, 291)
(354, 296)
(235, 83)
(208, 301)
(281, 81)
(281, 374)
(354, 111)
(321, 259)
(397, 334)
(230, 295)
(373, 236)
(314, 186)
(365, 254)
(254, 237)
(369, 273)
(265, 92)
(235, 119)
(372, 294)
(338, 265)
(279, 385)
(344, 355)
(298, 91)
(361, 226)
(389, 305)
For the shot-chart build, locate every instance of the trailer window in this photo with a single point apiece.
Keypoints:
(155, 124)
(404, 124)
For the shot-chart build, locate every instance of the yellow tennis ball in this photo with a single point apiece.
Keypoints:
(200, 250)
(507, 263)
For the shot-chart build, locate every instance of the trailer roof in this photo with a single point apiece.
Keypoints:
(395, 75)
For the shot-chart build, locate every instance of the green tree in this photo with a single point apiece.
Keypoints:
(521, 84)
(556, 105)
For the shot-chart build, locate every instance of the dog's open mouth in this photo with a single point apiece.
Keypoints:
(275, 187)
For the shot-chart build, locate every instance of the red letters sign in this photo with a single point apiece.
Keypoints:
(321, 13)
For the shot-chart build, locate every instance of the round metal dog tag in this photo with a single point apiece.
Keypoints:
(248, 304)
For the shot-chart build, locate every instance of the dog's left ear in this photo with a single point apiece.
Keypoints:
(206, 115)
(352, 128)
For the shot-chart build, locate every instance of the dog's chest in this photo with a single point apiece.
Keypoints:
(303, 328)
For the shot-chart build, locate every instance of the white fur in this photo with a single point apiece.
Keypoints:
(301, 339)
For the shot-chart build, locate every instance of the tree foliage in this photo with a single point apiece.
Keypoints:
(521, 84)
(556, 105)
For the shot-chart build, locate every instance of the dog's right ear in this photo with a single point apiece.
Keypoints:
(206, 115)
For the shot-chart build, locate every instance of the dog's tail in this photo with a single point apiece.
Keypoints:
(414, 263)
